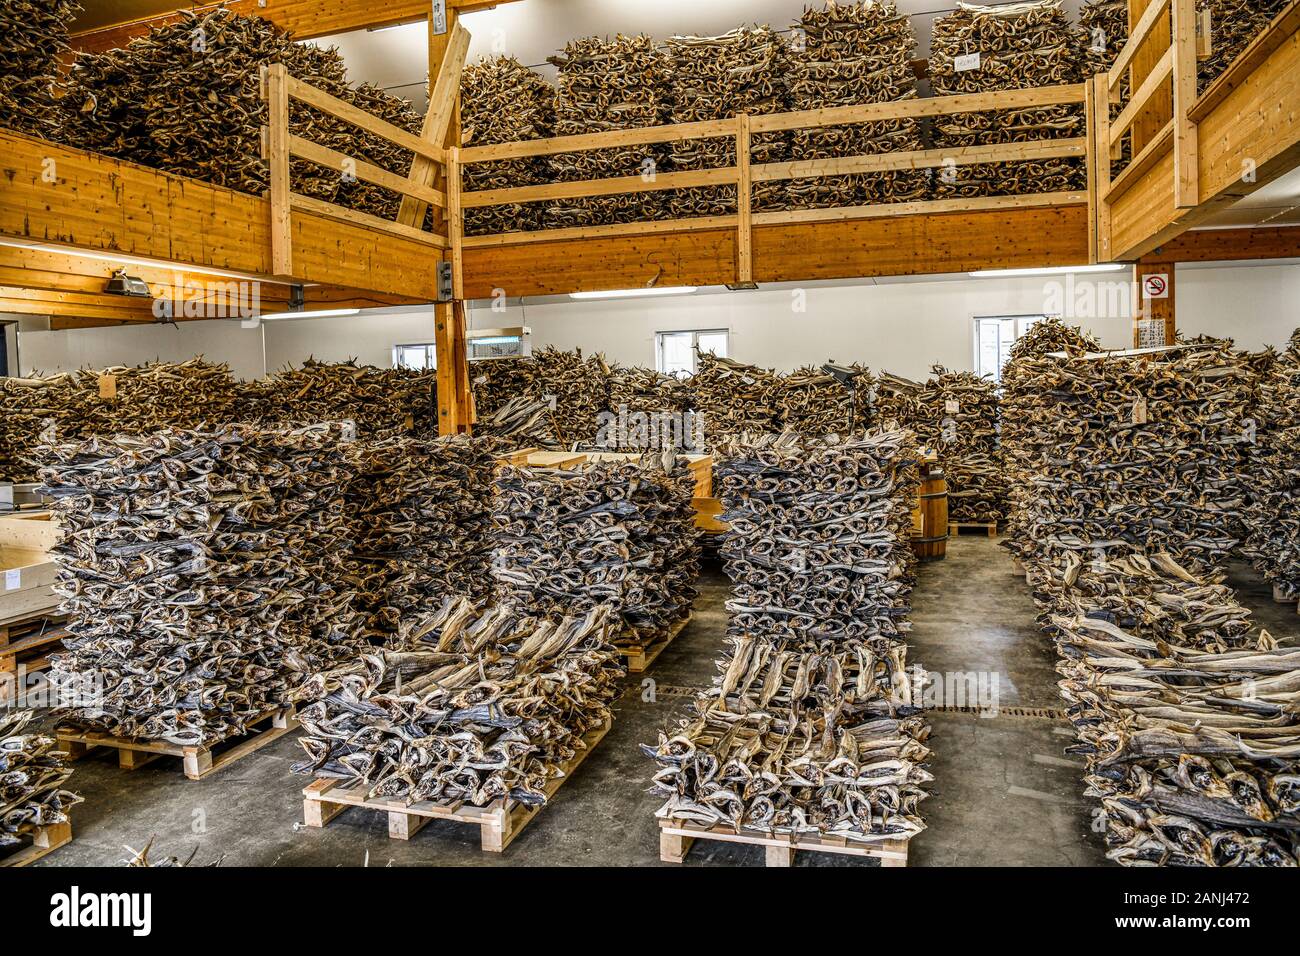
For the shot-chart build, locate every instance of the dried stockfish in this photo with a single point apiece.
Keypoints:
(380, 401)
(463, 706)
(1234, 24)
(32, 774)
(33, 36)
(577, 390)
(615, 533)
(734, 399)
(498, 381)
(523, 422)
(203, 575)
(1016, 46)
(968, 413)
(1274, 517)
(814, 403)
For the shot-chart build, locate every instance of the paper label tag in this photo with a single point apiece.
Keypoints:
(13, 579)
(967, 61)
(108, 386)
(1140, 411)
(952, 406)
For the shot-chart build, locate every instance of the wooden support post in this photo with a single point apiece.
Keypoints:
(1099, 120)
(744, 221)
(277, 147)
(673, 847)
(1154, 307)
(453, 368)
(780, 855)
(455, 223)
(1187, 182)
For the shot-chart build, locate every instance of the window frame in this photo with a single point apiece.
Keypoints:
(1024, 321)
(430, 354)
(695, 342)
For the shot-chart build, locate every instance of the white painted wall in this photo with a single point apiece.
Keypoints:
(66, 351)
(369, 338)
(1255, 305)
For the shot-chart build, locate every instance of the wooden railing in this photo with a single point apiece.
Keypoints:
(744, 173)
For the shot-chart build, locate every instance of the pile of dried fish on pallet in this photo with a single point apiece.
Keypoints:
(968, 412)
(612, 532)
(993, 49)
(33, 36)
(498, 382)
(815, 403)
(420, 512)
(521, 423)
(203, 573)
(735, 399)
(502, 101)
(649, 410)
(717, 78)
(1185, 716)
(186, 99)
(32, 774)
(1018, 374)
(577, 389)
(848, 54)
(1132, 452)
(464, 706)
(380, 401)
(1274, 519)
(903, 403)
(608, 85)
(811, 726)
(1234, 24)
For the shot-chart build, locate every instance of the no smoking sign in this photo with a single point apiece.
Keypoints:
(1155, 286)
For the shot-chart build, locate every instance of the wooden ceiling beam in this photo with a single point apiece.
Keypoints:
(1228, 245)
(305, 19)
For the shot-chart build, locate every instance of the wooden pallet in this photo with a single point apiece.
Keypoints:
(676, 837)
(500, 822)
(639, 657)
(989, 527)
(44, 842)
(198, 762)
(20, 638)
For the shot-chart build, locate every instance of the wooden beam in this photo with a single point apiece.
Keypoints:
(614, 186)
(364, 220)
(455, 224)
(648, 228)
(1153, 307)
(924, 207)
(744, 224)
(1283, 27)
(1142, 162)
(1142, 18)
(1186, 150)
(277, 148)
(345, 111)
(304, 18)
(641, 136)
(339, 162)
(1099, 180)
(920, 159)
(1228, 245)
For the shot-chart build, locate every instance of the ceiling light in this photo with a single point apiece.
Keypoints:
(1059, 270)
(315, 314)
(123, 284)
(634, 293)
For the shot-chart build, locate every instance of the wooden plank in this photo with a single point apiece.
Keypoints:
(446, 62)
(1226, 245)
(277, 145)
(615, 186)
(890, 851)
(922, 207)
(1138, 103)
(1186, 152)
(44, 842)
(1138, 32)
(455, 224)
(653, 227)
(927, 106)
(1142, 162)
(642, 136)
(453, 388)
(365, 220)
(1145, 60)
(1096, 155)
(744, 225)
(332, 159)
(345, 111)
(919, 159)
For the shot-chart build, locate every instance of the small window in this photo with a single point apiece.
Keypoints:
(994, 336)
(415, 357)
(675, 352)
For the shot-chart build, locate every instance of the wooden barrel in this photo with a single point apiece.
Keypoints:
(930, 521)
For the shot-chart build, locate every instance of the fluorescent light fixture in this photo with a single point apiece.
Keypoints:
(635, 293)
(309, 314)
(1061, 270)
(184, 267)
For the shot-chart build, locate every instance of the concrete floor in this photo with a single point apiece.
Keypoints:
(1004, 794)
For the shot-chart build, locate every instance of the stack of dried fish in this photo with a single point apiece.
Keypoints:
(186, 99)
(717, 78)
(420, 512)
(576, 388)
(33, 35)
(520, 423)
(608, 85)
(32, 775)
(903, 403)
(1235, 23)
(812, 726)
(1105, 31)
(203, 573)
(814, 403)
(735, 399)
(1186, 717)
(464, 706)
(1045, 336)
(967, 408)
(649, 410)
(848, 54)
(498, 381)
(612, 532)
(502, 101)
(1127, 452)
(994, 49)
(646, 390)
(380, 401)
(1274, 541)
(31, 405)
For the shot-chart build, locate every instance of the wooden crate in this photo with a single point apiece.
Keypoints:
(197, 761)
(639, 657)
(988, 527)
(707, 511)
(676, 837)
(500, 822)
(44, 842)
(28, 643)
(27, 572)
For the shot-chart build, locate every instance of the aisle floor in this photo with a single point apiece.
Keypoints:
(1004, 792)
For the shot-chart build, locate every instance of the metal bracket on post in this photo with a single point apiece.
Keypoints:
(446, 281)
